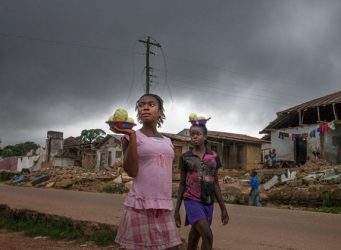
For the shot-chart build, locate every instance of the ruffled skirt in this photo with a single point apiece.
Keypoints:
(151, 229)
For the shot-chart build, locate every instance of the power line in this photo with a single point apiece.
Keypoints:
(66, 43)
(227, 92)
(224, 83)
(148, 44)
(206, 66)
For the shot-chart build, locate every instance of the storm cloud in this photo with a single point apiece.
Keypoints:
(66, 65)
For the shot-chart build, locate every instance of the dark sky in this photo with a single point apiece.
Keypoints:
(66, 65)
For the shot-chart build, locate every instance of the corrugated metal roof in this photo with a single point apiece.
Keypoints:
(218, 135)
(289, 117)
(177, 137)
(233, 137)
(322, 101)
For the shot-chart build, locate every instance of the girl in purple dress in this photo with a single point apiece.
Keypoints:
(198, 187)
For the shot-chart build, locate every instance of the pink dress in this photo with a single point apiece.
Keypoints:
(152, 187)
(147, 222)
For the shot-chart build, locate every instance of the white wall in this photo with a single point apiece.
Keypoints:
(285, 147)
(63, 162)
(26, 162)
(113, 151)
(32, 162)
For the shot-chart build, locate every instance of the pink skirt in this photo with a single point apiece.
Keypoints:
(147, 229)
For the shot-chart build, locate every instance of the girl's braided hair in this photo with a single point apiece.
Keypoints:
(159, 100)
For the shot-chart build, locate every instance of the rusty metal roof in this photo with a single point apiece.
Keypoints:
(289, 117)
(234, 137)
(217, 135)
(177, 137)
(322, 101)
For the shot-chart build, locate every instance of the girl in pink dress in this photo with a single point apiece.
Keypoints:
(147, 222)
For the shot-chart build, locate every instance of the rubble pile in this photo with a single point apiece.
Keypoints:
(76, 178)
(316, 183)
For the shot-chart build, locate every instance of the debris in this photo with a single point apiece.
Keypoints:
(272, 182)
(40, 179)
(118, 180)
(18, 179)
(289, 177)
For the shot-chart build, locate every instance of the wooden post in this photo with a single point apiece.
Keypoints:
(334, 111)
(322, 145)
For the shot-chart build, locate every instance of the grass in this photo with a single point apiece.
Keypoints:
(55, 227)
(332, 210)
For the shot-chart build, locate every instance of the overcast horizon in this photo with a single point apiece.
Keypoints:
(66, 65)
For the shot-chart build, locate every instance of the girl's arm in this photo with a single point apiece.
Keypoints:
(179, 199)
(219, 197)
(130, 162)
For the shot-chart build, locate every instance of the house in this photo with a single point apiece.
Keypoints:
(236, 151)
(70, 155)
(109, 151)
(308, 130)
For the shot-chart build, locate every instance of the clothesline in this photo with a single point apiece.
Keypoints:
(324, 127)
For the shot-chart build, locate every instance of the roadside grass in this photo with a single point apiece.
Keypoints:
(332, 210)
(55, 227)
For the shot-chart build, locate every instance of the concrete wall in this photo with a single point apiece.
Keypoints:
(109, 154)
(27, 162)
(332, 144)
(253, 156)
(63, 162)
(9, 163)
(285, 148)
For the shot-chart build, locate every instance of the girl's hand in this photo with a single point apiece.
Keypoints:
(122, 131)
(224, 217)
(177, 219)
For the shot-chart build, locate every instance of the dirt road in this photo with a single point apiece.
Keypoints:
(249, 227)
(18, 241)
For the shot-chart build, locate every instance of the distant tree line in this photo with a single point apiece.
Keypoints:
(87, 136)
(20, 149)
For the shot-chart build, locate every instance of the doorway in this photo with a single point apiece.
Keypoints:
(300, 151)
(226, 157)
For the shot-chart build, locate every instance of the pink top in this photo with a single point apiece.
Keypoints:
(152, 187)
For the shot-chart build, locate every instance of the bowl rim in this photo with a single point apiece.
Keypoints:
(199, 121)
(120, 122)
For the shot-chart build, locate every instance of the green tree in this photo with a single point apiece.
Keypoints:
(91, 135)
(20, 149)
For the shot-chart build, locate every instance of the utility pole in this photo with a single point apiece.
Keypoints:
(148, 44)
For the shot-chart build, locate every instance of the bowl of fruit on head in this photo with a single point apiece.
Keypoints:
(194, 119)
(120, 119)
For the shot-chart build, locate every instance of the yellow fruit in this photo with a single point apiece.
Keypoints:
(120, 115)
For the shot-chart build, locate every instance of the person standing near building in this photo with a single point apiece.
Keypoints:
(254, 199)
(273, 156)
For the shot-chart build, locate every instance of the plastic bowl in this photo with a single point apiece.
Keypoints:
(199, 122)
(121, 125)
